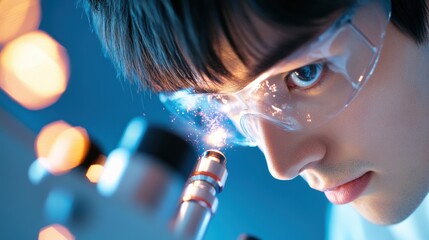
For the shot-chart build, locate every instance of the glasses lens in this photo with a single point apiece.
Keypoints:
(294, 104)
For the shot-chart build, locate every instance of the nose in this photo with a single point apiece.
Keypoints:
(289, 153)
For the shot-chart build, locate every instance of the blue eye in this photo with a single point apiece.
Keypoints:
(304, 77)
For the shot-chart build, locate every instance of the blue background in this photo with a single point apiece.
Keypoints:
(252, 202)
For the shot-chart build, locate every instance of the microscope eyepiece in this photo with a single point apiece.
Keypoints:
(216, 155)
(199, 202)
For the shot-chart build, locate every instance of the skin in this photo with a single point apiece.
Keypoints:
(383, 131)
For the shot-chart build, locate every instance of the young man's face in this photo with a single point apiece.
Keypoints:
(379, 142)
(375, 153)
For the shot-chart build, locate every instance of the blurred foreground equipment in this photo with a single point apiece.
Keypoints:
(137, 195)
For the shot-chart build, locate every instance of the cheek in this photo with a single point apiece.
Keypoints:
(387, 125)
(398, 115)
(390, 116)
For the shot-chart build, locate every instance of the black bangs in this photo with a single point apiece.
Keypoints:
(167, 45)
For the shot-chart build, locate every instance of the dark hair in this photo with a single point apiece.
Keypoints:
(171, 44)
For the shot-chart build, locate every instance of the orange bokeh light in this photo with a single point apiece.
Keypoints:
(47, 136)
(55, 232)
(61, 148)
(94, 172)
(34, 70)
(18, 17)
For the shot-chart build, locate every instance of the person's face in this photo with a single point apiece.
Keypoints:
(382, 135)
(373, 154)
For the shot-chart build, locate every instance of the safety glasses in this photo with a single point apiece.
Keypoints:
(303, 91)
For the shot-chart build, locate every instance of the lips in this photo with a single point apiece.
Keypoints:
(349, 191)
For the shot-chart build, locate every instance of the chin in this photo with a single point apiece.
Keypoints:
(386, 212)
(384, 218)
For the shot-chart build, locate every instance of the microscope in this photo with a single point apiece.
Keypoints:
(149, 187)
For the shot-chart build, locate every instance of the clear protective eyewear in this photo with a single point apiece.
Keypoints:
(302, 91)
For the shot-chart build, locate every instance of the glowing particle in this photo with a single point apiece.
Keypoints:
(276, 110)
(217, 137)
(308, 117)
